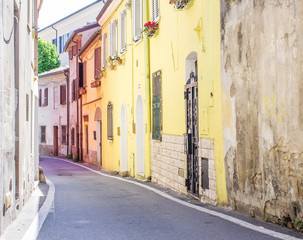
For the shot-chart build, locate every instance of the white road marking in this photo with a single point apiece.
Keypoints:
(201, 209)
(34, 229)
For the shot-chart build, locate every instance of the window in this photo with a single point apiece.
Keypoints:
(155, 10)
(54, 41)
(63, 134)
(63, 94)
(137, 19)
(43, 134)
(97, 62)
(104, 47)
(60, 44)
(113, 41)
(27, 107)
(75, 50)
(122, 31)
(40, 97)
(157, 105)
(28, 12)
(73, 136)
(45, 97)
(110, 121)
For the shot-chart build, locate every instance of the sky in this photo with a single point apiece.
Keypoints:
(54, 10)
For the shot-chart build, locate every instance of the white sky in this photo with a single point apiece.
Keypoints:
(54, 10)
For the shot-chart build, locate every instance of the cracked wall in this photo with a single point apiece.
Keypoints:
(261, 74)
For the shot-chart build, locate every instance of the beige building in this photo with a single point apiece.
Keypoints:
(59, 32)
(53, 113)
(18, 108)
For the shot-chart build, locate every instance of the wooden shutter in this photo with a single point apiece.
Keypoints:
(62, 94)
(70, 54)
(84, 74)
(46, 97)
(104, 48)
(155, 10)
(122, 31)
(97, 62)
(73, 90)
(74, 50)
(137, 19)
(40, 97)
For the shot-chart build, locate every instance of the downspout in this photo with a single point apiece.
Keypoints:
(56, 36)
(66, 73)
(147, 85)
(81, 129)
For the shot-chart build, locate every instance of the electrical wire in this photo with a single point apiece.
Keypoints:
(7, 41)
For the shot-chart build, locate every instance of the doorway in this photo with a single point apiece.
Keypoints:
(99, 135)
(191, 111)
(56, 141)
(123, 145)
(140, 136)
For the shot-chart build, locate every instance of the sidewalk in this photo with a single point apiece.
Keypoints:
(17, 229)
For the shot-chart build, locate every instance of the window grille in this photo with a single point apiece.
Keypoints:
(63, 134)
(43, 134)
(155, 10)
(137, 19)
(113, 41)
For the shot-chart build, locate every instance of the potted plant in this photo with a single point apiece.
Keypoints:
(111, 62)
(119, 60)
(179, 4)
(150, 28)
(101, 74)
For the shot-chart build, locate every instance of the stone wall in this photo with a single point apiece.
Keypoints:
(168, 165)
(261, 75)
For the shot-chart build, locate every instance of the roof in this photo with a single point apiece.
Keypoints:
(71, 14)
(89, 41)
(103, 9)
(81, 29)
(53, 72)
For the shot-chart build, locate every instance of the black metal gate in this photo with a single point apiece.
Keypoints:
(192, 134)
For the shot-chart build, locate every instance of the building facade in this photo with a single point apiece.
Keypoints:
(53, 112)
(59, 32)
(19, 104)
(261, 73)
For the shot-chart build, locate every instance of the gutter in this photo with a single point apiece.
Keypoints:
(66, 73)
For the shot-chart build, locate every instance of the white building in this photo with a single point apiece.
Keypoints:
(18, 108)
(59, 32)
(53, 113)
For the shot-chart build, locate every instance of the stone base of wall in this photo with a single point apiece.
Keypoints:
(168, 162)
(46, 150)
(91, 157)
(168, 165)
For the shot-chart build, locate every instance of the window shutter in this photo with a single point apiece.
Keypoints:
(62, 94)
(73, 90)
(74, 50)
(110, 135)
(104, 47)
(40, 97)
(46, 97)
(84, 74)
(70, 53)
(115, 38)
(111, 39)
(155, 10)
(137, 18)
(122, 32)
(97, 62)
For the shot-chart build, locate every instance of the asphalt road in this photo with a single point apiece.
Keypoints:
(90, 206)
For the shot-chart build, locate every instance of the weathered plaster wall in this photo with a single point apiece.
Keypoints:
(261, 72)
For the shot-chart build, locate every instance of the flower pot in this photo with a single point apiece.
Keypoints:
(120, 62)
(150, 32)
(112, 67)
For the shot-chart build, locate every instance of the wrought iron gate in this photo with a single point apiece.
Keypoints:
(192, 135)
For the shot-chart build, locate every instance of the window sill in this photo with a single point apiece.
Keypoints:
(138, 41)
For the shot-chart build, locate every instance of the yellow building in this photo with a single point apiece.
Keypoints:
(187, 143)
(124, 89)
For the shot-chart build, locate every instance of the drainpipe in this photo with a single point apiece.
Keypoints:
(66, 73)
(81, 125)
(17, 113)
(56, 36)
(147, 84)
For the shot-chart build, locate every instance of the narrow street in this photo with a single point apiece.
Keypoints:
(92, 206)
